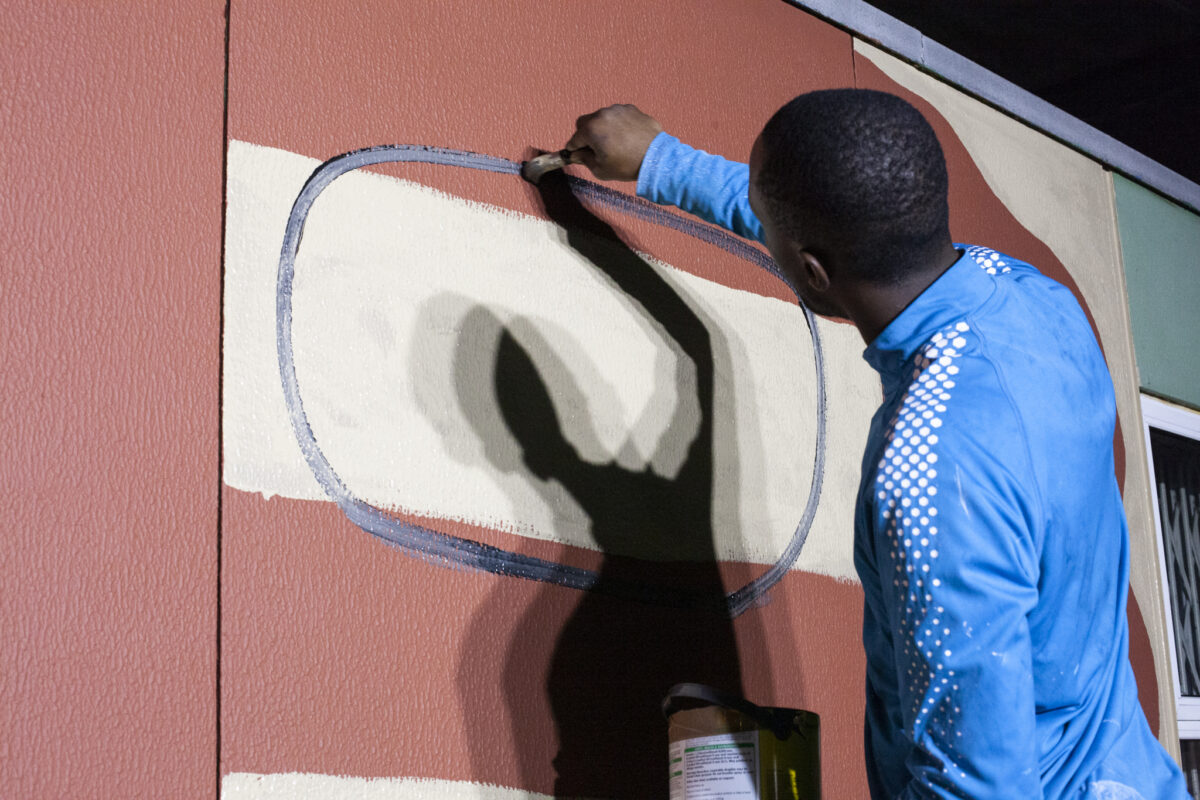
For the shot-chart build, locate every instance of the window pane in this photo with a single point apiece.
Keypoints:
(1190, 749)
(1177, 474)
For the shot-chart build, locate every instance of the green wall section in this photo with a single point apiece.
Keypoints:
(1160, 243)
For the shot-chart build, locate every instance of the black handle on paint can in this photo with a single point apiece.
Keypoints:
(782, 722)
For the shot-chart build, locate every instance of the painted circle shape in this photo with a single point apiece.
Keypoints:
(454, 551)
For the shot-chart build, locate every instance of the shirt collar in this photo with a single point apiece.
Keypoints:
(957, 292)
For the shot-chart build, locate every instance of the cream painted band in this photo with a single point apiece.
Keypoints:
(307, 786)
(401, 294)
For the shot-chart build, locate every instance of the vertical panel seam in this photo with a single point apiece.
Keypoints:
(221, 394)
(854, 61)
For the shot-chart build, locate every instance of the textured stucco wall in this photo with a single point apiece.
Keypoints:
(109, 306)
(385, 665)
(341, 656)
(333, 643)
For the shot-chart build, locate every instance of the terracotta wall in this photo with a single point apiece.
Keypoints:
(352, 658)
(110, 309)
(342, 656)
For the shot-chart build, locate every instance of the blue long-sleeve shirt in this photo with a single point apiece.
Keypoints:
(989, 536)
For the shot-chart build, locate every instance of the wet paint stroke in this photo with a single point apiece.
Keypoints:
(460, 553)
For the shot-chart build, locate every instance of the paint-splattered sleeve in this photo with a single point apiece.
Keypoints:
(700, 183)
(952, 514)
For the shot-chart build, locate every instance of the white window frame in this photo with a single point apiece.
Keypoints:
(1181, 421)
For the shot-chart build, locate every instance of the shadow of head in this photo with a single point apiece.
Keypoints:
(528, 411)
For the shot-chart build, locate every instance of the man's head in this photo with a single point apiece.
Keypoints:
(851, 182)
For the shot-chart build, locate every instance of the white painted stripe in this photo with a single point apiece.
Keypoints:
(308, 786)
(400, 294)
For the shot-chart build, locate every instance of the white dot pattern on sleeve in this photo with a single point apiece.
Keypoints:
(907, 494)
(989, 260)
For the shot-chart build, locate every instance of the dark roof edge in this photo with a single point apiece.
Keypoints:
(906, 42)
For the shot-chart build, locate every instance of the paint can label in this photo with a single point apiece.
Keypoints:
(720, 767)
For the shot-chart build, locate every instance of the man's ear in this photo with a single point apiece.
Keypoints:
(815, 274)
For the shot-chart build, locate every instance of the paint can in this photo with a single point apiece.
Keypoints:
(723, 747)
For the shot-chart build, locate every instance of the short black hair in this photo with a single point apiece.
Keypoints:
(861, 174)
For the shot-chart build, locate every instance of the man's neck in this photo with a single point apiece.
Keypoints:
(872, 307)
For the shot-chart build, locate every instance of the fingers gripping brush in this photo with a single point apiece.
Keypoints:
(533, 169)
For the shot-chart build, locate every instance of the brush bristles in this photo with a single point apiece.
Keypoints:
(533, 169)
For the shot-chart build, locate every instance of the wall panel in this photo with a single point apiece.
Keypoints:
(109, 296)
(476, 372)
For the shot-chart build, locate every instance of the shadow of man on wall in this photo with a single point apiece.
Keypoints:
(601, 661)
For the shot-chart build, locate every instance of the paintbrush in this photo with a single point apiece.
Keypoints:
(533, 169)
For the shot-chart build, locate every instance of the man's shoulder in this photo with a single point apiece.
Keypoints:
(1028, 282)
(957, 400)
(1037, 338)
(994, 262)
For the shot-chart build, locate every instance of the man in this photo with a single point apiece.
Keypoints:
(989, 532)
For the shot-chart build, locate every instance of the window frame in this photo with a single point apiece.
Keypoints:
(1183, 422)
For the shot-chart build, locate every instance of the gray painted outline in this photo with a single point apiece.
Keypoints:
(456, 552)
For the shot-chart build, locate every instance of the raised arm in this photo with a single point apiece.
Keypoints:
(623, 143)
